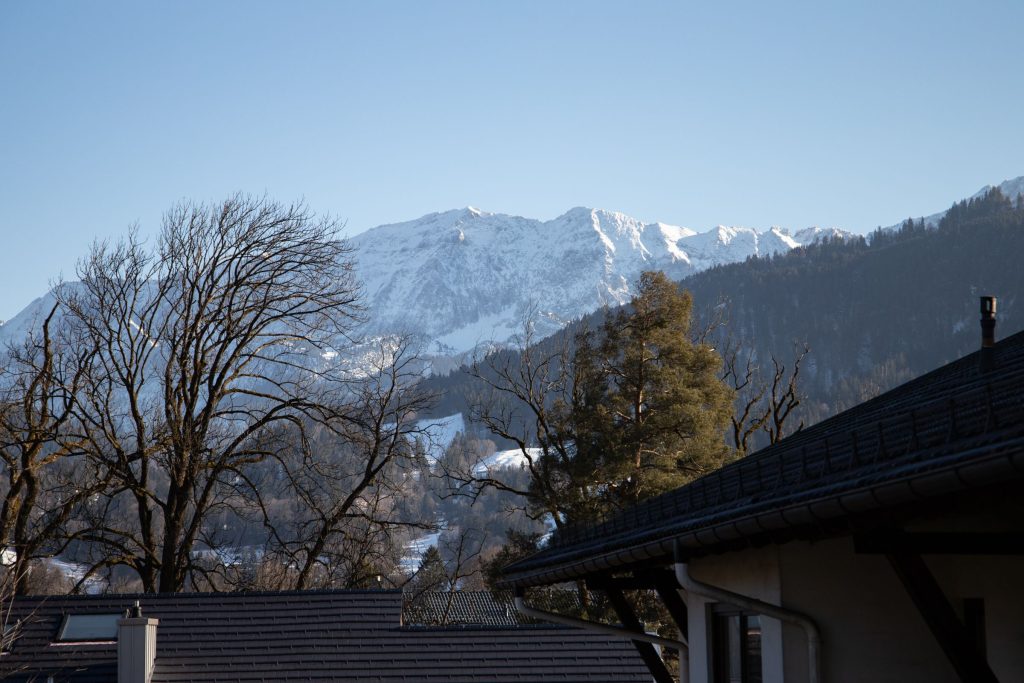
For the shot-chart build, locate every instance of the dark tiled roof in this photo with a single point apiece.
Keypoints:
(954, 429)
(444, 608)
(344, 636)
(459, 607)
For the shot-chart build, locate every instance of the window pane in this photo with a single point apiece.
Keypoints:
(752, 650)
(736, 648)
(728, 651)
(90, 627)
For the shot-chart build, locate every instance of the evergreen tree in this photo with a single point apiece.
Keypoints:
(432, 574)
(651, 409)
(633, 409)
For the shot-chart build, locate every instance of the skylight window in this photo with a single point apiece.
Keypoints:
(88, 627)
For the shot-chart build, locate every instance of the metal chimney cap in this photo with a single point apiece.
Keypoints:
(988, 330)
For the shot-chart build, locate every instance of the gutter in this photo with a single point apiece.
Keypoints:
(692, 585)
(681, 645)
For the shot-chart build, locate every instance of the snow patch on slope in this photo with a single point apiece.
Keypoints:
(503, 460)
(439, 433)
(815, 234)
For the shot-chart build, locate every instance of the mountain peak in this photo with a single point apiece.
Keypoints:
(465, 213)
(1010, 188)
(579, 212)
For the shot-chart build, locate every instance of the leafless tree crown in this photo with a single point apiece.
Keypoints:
(193, 379)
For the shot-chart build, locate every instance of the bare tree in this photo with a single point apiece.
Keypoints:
(741, 372)
(464, 550)
(204, 343)
(9, 624)
(47, 479)
(784, 395)
(525, 399)
(11, 620)
(764, 405)
(340, 532)
(430, 577)
(455, 564)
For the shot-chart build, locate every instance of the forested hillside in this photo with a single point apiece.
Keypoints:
(878, 312)
(874, 312)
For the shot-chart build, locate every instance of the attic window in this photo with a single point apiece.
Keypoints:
(78, 628)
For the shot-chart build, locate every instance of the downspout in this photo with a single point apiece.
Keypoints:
(692, 585)
(618, 632)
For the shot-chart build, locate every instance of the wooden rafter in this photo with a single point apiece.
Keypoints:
(951, 634)
(647, 651)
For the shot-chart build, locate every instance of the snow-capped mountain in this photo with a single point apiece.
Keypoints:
(466, 277)
(815, 234)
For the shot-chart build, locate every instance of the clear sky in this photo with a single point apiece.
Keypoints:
(852, 114)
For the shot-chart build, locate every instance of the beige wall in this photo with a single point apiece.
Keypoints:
(870, 629)
(1000, 581)
(754, 573)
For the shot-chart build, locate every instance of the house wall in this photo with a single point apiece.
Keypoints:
(1000, 582)
(754, 573)
(871, 631)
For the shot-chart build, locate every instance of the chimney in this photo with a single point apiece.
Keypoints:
(988, 331)
(136, 647)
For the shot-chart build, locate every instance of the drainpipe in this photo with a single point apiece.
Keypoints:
(680, 645)
(692, 585)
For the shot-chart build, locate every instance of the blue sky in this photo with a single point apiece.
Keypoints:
(758, 114)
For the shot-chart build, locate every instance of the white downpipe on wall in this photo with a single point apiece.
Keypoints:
(692, 585)
(680, 645)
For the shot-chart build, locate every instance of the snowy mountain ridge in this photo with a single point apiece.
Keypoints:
(466, 280)
(466, 277)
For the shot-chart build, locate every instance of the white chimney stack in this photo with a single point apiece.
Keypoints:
(136, 647)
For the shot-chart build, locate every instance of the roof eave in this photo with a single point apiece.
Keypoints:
(1002, 462)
